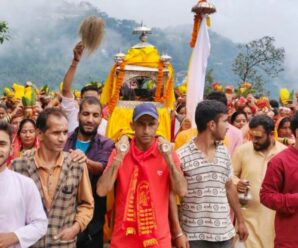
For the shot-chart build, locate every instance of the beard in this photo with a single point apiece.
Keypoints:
(219, 136)
(262, 147)
(3, 161)
(87, 133)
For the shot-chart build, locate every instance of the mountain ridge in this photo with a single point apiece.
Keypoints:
(43, 52)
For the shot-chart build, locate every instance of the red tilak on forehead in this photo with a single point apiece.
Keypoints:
(256, 133)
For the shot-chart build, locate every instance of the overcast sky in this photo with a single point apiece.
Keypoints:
(239, 20)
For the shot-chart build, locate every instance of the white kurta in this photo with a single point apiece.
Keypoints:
(21, 209)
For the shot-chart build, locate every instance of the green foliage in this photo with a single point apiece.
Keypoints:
(257, 59)
(45, 89)
(99, 85)
(209, 79)
(4, 32)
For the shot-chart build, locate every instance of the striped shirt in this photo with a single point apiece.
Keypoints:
(205, 212)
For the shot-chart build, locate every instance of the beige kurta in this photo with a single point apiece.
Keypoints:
(251, 165)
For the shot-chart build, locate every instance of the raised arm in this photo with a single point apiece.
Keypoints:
(69, 76)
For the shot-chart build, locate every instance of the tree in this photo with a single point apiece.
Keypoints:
(4, 32)
(209, 79)
(257, 59)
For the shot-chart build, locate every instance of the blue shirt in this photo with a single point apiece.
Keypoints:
(99, 151)
(82, 145)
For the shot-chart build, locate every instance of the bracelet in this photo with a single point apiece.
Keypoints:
(74, 62)
(118, 159)
(285, 141)
(179, 235)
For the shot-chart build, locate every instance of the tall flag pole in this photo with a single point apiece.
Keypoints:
(199, 58)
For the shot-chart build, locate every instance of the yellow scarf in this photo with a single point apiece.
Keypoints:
(139, 215)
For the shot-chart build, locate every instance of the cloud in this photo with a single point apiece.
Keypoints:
(239, 20)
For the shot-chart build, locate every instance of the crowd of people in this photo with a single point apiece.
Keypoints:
(227, 180)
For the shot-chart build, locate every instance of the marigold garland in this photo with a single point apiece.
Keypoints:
(284, 96)
(196, 26)
(263, 102)
(159, 82)
(164, 92)
(169, 90)
(246, 85)
(208, 21)
(118, 86)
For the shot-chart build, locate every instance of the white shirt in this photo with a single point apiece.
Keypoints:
(21, 209)
(205, 211)
(71, 109)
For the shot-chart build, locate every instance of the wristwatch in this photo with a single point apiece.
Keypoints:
(123, 147)
(165, 147)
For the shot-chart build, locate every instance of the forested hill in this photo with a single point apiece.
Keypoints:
(42, 50)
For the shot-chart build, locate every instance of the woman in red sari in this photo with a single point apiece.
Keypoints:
(26, 138)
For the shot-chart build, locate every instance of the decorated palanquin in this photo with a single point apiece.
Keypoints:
(141, 75)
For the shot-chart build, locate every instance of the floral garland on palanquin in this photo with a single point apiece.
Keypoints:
(159, 83)
(118, 86)
(195, 31)
(168, 90)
